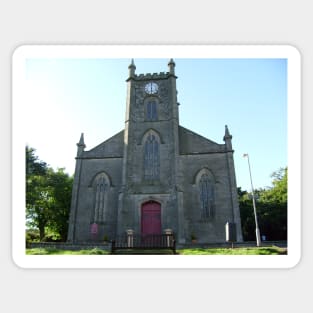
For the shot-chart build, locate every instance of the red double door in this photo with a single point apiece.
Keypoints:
(151, 218)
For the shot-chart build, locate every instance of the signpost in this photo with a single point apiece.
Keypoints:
(231, 235)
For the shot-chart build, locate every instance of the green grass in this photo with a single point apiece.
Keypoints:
(195, 251)
(50, 251)
(236, 251)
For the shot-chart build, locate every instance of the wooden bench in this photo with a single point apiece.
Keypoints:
(147, 242)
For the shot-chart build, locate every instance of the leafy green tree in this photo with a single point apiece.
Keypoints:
(279, 192)
(34, 166)
(275, 202)
(48, 198)
(271, 206)
(61, 184)
(37, 192)
(247, 215)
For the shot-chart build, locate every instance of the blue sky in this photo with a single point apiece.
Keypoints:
(66, 97)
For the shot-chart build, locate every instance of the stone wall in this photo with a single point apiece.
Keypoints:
(68, 246)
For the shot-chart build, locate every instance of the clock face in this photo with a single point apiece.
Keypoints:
(151, 88)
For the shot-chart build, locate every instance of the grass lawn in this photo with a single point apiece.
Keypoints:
(50, 251)
(195, 251)
(236, 251)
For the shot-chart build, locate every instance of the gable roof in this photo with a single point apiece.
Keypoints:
(111, 148)
(189, 143)
(192, 143)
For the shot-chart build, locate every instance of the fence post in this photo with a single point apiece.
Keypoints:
(112, 246)
(169, 236)
(130, 238)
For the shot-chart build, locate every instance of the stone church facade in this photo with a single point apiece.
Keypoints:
(154, 175)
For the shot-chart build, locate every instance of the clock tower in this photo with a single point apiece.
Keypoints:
(150, 151)
(155, 176)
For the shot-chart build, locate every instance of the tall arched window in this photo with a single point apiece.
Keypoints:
(151, 110)
(101, 187)
(151, 157)
(205, 182)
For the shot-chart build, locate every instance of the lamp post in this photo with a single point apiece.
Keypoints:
(257, 230)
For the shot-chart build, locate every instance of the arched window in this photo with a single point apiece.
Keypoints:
(151, 157)
(151, 110)
(205, 182)
(101, 186)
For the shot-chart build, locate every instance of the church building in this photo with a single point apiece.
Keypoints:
(154, 176)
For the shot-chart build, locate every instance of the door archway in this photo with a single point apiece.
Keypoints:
(151, 218)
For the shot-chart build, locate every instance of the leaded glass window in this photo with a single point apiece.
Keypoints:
(151, 110)
(151, 158)
(101, 187)
(206, 193)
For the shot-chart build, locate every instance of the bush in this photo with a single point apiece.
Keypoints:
(32, 235)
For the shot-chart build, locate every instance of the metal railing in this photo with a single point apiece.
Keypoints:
(153, 242)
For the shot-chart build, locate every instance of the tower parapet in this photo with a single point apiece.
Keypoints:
(155, 76)
(151, 76)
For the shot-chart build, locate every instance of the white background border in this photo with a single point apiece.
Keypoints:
(158, 51)
(222, 22)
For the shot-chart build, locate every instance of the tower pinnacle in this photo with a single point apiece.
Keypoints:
(132, 69)
(81, 145)
(227, 138)
(227, 134)
(171, 66)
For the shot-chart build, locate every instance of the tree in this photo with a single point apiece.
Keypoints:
(275, 200)
(37, 192)
(61, 184)
(48, 198)
(247, 215)
(279, 192)
(34, 166)
(271, 208)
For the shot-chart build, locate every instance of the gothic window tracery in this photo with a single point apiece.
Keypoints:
(101, 190)
(151, 157)
(206, 195)
(151, 110)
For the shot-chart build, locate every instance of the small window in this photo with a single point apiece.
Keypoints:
(151, 110)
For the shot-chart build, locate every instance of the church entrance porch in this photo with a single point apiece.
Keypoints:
(151, 218)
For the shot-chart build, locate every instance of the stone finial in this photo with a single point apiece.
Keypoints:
(132, 68)
(171, 66)
(81, 140)
(227, 138)
(81, 145)
(227, 134)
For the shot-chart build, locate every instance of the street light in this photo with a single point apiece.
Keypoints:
(257, 230)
